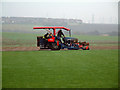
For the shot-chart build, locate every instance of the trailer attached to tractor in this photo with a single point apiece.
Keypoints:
(53, 42)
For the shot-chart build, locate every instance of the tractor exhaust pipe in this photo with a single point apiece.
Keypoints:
(70, 33)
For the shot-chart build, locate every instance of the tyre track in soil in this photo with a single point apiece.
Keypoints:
(37, 48)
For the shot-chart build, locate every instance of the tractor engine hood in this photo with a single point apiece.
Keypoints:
(71, 39)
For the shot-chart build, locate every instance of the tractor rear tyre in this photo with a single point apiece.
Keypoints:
(54, 46)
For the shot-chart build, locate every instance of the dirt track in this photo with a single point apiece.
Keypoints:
(37, 48)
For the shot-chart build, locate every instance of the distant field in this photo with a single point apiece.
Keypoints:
(102, 28)
(11, 39)
(19, 39)
(97, 38)
(18, 27)
(60, 69)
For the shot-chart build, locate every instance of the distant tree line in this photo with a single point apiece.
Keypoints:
(41, 21)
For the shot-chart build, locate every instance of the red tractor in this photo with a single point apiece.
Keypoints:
(52, 41)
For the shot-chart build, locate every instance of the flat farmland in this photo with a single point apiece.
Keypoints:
(25, 66)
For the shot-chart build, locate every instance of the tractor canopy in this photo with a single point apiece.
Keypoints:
(54, 29)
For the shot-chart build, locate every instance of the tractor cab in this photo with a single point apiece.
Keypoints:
(51, 40)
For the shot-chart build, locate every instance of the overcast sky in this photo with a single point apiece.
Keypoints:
(96, 11)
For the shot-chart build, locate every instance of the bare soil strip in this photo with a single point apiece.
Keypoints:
(20, 48)
(37, 48)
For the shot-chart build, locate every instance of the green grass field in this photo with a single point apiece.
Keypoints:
(60, 69)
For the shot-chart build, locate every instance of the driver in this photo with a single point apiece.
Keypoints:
(59, 35)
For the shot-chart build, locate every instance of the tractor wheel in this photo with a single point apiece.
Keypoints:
(54, 46)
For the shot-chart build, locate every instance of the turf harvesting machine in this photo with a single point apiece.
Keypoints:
(51, 40)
